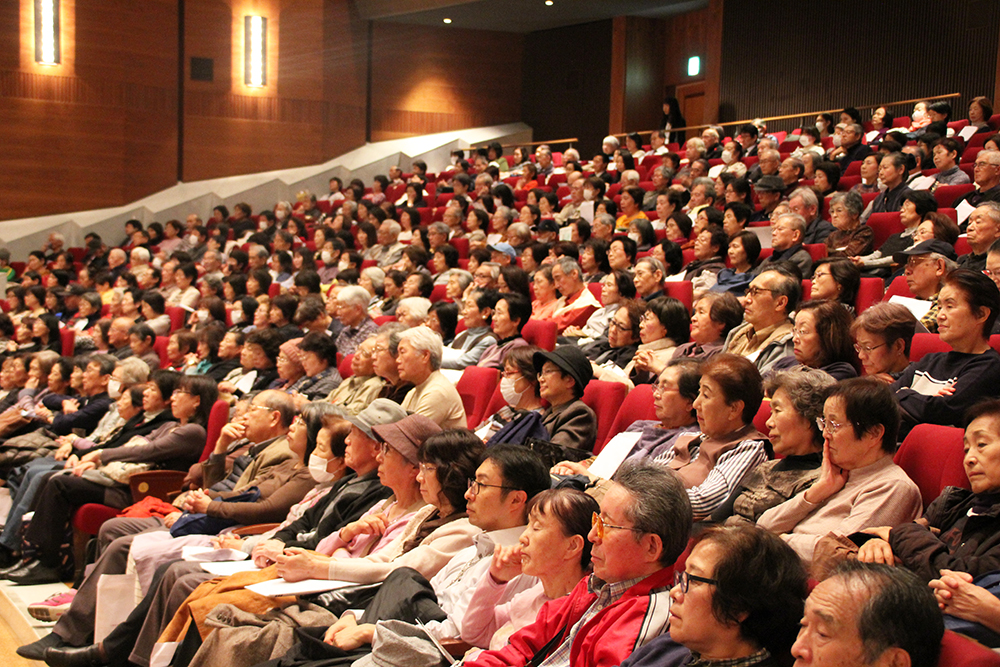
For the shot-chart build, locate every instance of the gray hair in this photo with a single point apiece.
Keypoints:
(898, 160)
(141, 253)
(949, 264)
(494, 269)
(807, 388)
(484, 179)
(350, 207)
(521, 230)
(133, 371)
(571, 154)
(769, 153)
(119, 253)
(424, 339)
(855, 129)
(569, 265)
(506, 213)
(463, 277)
(697, 144)
(654, 264)
(260, 252)
(376, 275)
(56, 236)
(851, 200)
(392, 227)
(808, 196)
(604, 219)
(631, 176)
(992, 210)
(352, 295)
(989, 153)
(796, 221)
(711, 130)
(708, 184)
(416, 306)
(611, 139)
(439, 228)
(660, 505)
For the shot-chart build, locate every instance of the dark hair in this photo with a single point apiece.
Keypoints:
(741, 211)
(751, 245)
(321, 345)
(760, 584)
(660, 505)
(832, 171)
(790, 285)
(287, 304)
(143, 331)
(520, 468)
(269, 341)
(263, 278)
(600, 248)
(205, 389)
(673, 255)
(456, 453)
(166, 381)
(624, 284)
(892, 321)
(646, 232)
(869, 403)
(518, 308)
(573, 509)
(516, 279)
(846, 274)
(447, 314)
(738, 379)
(898, 610)
(923, 202)
(833, 326)
(628, 245)
(450, 254)
(719, 239)
(249, 306)
(674, 317)
(980, 292)
(683, 222)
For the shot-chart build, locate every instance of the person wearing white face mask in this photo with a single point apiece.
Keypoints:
(731, 155)
(521, 417)
(847, 145)
(809, 142)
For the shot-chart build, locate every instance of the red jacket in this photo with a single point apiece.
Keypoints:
(638, 616)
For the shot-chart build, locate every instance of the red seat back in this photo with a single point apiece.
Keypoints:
(476, 387)
(682, 290)
(604, 398)
(926, 343)
(160, 346)
(638, 405)
(344, 367)
(595, 289)
(947, 194)
(217, 418)
(382, 319)
(68, 339)
(462, 246)
(816, 250)
(898, 287)
(763, 414)
(959, 651)
(884, 225)
(438, 293)
(932, 456)
(869, 293)
(177, 316)
(541, 333)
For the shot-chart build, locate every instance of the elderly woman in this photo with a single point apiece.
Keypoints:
(797, 399)
(615, 288)
(553, 548)
(412, 311)
(940, 387)
(882, 337)
(744, 250)
(546, 301)
(610, 359)
(663, 327)
(468, 346)
(510, 314)
(836, 279)
(738, 601)
(859, 486)
(850, 238)
(318, 357)
(822, 340)
(961, 529)
(520, 391)
(363, 386)
(715, 315)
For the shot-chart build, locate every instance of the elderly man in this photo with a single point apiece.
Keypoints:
(577, 303)
(766, 333)
(438, 233)
(925, 266)
(571, 211)
(118, 338)
(116, 262)
(258, 257)
(850, 149)
(352, 311)
(767, 164)
(543, 155)
(658, 143)
(563, 376)
(642, 528)
(53, 246)
(660, 177)
(389, 250)
(986, 175)
(211, 261)
(982, 232)
(867, 614)
(603, 227)
(805, 203)
(702, 194)
(713, 149)
(648, 278)
(433, 395)
(786, 240)
(790, 172)
(769, 190)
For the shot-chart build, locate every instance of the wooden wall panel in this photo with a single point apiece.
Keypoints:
(644, 73)
(437, 79)
(931, 48)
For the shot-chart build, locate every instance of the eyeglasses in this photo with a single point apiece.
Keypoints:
(509, 374)
(621, 327)
(820, 275)
(254, 406)
(983, 165)
(551, 371)
(799, 332)
(755, 291)
(828, 425)
(867, 349)
(683, 580)
(599, 525)
(914, 262)
(428, 468)
(660, 390)
(475, 486)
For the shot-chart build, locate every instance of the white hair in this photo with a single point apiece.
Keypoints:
(141, 253)
(423, 339)
(611, 140)
(416, 306)
(352, 295)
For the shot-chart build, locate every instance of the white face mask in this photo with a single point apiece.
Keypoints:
(317, 468)
(192, 239)
(820, 126)
(343, 264)
(837, 140)
(236, 316)
(263, 225)
(509, 393)
(727, 156)
(918, 115)
(636, 237)
(114, 389)
(280, 214)
(203, 316)
(805, 140)
(588, 195)
(327, 257)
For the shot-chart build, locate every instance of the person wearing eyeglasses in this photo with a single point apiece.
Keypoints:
(986, 176)
(822, 340)
(724, 611)
(882, 336)
(563, 375)
(859, 486)
(642, 528)
(983, 230)
(766, 333)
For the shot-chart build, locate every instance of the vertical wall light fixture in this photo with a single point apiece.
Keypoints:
(47, 50)
(694, 66)
(255, 41)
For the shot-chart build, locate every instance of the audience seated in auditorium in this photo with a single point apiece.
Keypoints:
(766, 333)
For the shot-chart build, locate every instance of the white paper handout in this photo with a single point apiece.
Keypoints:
(922, 183)
(228, 568)
(278, 587)
(191, 553)
(607, 462)
(871, 136)
(918, 307)
(967, 132)
(964, 210)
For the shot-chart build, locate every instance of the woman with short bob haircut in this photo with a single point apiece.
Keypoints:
(840, 281)
(882, 337)
(822, 339)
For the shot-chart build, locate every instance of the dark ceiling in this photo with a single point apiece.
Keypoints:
(521, 16)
